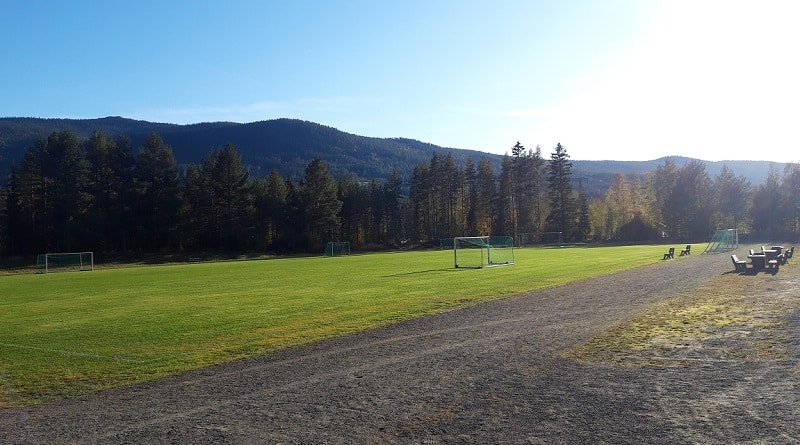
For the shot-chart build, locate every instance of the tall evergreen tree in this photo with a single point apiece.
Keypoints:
(111, 166)
(663, 183)
(471, 181)
(356, 213)
(731, 197)
(230, 185)
(4, 219)
(52, 190)
(158, 203)
(320, 204)
(29, 186)
(195, 226)
(525, 168)
(15, 230)
(790, 191)
(392, 215)
(421, 210)
(562, 217)
(485, 214)
(272, 207)
(583, 228)
(505, 210)
(689, 202)
(766, 211)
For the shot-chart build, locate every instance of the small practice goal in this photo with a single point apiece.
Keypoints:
(476, 252)
(64, 262)
(337, 248)
(723, 240)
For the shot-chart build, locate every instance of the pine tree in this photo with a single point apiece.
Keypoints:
(320, 204)
(230, 185)
(110, 184)
(562, 217)
(272, 208)
(158, 204)
(731, 195)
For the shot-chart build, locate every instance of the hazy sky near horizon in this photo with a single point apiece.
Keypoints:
(608, 79)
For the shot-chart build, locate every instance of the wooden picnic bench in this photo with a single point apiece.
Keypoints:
(740, 265)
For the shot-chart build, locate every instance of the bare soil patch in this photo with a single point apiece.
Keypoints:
(680, 352)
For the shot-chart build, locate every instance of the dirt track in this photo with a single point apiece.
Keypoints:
(501, 372)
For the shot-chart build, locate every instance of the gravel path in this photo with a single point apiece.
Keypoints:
(498, 372)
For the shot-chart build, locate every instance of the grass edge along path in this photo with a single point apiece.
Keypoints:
(732, 317)
(67, 334)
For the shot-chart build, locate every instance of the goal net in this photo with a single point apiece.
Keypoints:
(337, 248)
(64, 262)
(723, 241)
(483, 251)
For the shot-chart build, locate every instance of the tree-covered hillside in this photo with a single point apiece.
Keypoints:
(288, 145)
(103, 194)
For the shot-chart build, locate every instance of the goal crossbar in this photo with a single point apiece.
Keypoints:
(337, 248)
(64, 262)
(476, 252)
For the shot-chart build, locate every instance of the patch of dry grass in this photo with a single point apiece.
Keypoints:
(741, 317)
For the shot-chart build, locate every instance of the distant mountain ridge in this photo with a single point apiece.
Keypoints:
(288, 145)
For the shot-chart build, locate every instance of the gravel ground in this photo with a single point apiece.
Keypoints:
(499, 372)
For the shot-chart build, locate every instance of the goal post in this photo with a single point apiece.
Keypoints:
(475, 252)
(337, 248)
(64, 262)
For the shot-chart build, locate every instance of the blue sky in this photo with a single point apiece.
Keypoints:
(608, 79)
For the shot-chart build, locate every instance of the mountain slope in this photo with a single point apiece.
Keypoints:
(288, 145)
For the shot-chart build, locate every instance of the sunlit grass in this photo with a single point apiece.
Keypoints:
(749, 311)
(69, 333)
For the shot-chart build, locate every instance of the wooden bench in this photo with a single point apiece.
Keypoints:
(738, 264)
(670, 253)
(686, 250)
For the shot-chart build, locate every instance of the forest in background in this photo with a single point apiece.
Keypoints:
(103, 194)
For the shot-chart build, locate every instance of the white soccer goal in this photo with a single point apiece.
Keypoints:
(337, 248)
(64, 262)
(483, 251)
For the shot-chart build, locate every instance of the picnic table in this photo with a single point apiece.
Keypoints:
(764, 259)
(770, 253)
(758, 261)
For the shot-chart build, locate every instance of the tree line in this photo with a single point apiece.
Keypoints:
(102, 195)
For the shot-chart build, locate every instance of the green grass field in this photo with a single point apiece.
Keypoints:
(70, 333)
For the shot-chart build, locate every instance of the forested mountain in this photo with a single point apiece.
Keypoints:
(293, 186)
(288, 145)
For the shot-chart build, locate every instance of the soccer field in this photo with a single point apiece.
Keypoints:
(69, 333)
